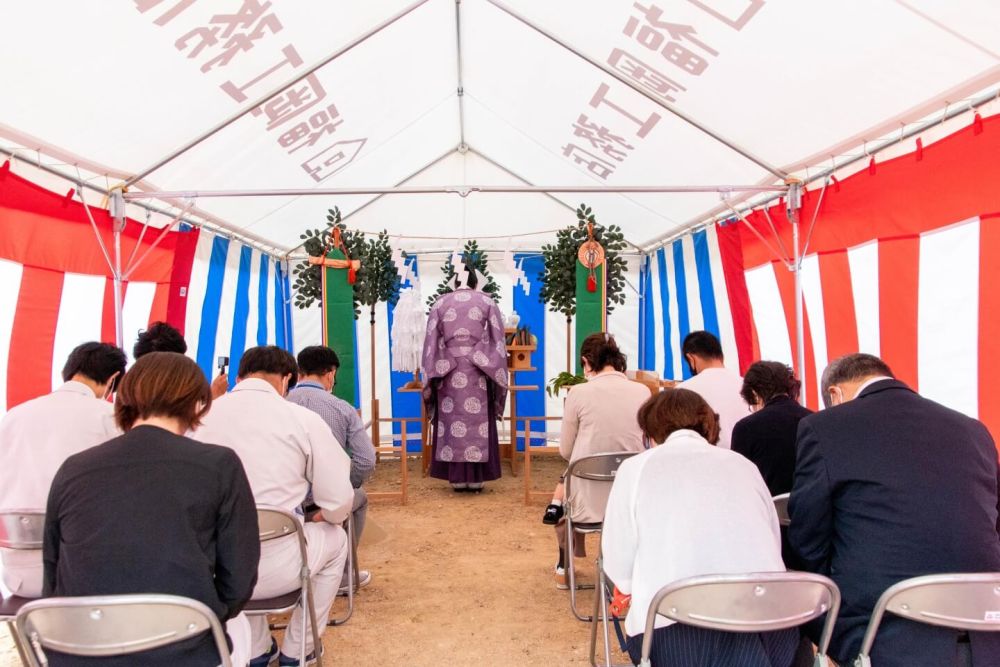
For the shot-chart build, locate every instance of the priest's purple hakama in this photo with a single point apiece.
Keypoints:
(465, 362)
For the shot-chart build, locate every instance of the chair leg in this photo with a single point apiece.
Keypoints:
(311, 614)
(571, 571)
(593, 627)
(18, 644)
(354, 577)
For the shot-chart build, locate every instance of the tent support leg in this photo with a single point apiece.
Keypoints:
(794, 205)
(118, 213)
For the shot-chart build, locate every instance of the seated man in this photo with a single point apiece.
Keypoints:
(889, 485)
(37, 436)
(162, 337)
(285, 449)
(317, 376)
(719, 386)
(155, 512)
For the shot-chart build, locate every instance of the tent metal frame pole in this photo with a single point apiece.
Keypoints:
(265, 246)
(461, 190)
(273, 92)
(460, 92)
(518, 176)
(794, 206)
(118, 225)
(825, 174)
(732, 145)
(435, 161)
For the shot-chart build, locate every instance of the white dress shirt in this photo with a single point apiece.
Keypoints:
(37, 436)
(720, 387)
(682, 509)
(284, 448)
(35, 439)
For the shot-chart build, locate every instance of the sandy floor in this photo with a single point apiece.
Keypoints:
(458, 579)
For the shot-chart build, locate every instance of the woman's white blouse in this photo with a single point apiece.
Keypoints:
(682, 509)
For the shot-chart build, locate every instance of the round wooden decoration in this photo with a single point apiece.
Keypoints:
(591, 254)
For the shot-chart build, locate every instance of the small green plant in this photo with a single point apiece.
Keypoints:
(564, 379)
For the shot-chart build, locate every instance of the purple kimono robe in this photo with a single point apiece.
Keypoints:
(465, 362)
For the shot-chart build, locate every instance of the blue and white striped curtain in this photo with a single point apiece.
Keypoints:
(238, 298)
(684, 290)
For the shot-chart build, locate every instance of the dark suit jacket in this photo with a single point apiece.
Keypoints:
(767, 438)
(153, 512)
(891, 486)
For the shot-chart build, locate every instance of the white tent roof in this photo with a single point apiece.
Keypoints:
(112, 88)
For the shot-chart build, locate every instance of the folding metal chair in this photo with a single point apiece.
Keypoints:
(958, 601)
(759, 602)
(21, 530)
(352, 567)
(597, 468)
(275, 523)
(781, 507)
(111, 625)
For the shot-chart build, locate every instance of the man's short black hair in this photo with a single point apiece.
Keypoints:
(159, 337)
(95, 361)
(267, 359)
(850, 368)
(703, 344)
(317, 360)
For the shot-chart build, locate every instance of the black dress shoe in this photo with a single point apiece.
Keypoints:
(552, 514)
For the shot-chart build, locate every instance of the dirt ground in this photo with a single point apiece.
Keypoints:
(457, 579)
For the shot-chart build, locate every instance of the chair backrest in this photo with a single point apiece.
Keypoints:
(781, 507)
(596, 468)
(102, 626)
(276, 522)
(960, 601)
(22, 529)
(759, 602)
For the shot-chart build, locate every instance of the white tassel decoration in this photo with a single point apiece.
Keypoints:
(409, 325)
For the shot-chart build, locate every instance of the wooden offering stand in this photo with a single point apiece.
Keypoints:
(518, 359)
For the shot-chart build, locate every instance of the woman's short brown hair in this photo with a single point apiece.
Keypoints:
(674, 409)
(163, 384)
(601, 350)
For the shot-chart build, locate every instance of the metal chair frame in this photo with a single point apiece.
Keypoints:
(781, 507)
(957, 601)
(21, 529)
(275, 523)
(112, 625)
(352, 567)
(599, 468)
(692, 601)
(601, 609)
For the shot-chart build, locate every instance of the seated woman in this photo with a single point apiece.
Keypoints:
(598, 417)
(155, 512)
(767, 437)
(687, 508)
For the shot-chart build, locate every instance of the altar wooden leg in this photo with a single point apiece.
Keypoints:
(513, 432)
(527, 463)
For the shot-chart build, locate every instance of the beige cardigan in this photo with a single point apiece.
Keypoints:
(600, 416)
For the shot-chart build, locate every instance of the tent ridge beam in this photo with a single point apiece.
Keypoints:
(275, 91)
(776, 171)
(461, 190)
